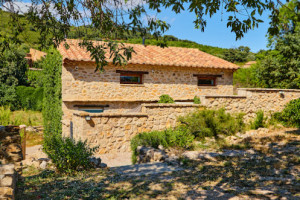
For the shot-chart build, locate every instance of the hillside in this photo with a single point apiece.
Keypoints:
(30, 37)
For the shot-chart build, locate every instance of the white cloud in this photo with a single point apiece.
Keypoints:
(124, 5)
(17, 6)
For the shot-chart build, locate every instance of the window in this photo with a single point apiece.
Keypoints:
(207, 81)
(91, 110)
(126, 78)
(131, 77)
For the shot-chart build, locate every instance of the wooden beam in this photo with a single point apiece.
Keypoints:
(131, 72)
(89, 106)
(207, 75)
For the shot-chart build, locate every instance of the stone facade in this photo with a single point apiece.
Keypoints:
(80, 82)
(113, 131)
(81, 85)
(250, 100)
(10, 160)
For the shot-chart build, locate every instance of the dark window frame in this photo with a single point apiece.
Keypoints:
(140, 75)
(207, 78)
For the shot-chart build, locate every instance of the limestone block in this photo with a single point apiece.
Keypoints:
(6, 181)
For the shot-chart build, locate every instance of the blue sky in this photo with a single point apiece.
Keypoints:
(216, 32)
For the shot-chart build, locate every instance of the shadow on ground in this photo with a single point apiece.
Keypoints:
(270, 172)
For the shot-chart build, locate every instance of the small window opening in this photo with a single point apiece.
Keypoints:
(209, 81)
(126, 78)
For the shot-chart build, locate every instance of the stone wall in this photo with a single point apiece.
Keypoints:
(250, 100)
(10, 160)
(113, 131)
(80, 82)
(82, 86)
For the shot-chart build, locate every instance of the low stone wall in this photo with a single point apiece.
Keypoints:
(8, 179)
(250, 100)
(112, 132)
(10, 160)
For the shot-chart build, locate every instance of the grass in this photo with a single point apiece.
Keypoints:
(33, 138)
(224, 178)
(20, 117)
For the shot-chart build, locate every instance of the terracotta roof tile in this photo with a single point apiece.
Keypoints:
(154, 55)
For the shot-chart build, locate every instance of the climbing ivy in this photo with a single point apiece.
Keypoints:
(52, 110)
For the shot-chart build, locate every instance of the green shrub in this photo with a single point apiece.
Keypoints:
(177, 137)
(35, 78)
(259, 121)
(165, 98)
(68, 155)
(275, 118)
(30, 98)
(197, 100)
(291, 113)
(212, 123)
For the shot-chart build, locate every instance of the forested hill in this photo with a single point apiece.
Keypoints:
(30, 37)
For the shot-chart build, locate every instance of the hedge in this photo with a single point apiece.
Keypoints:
(30, 98)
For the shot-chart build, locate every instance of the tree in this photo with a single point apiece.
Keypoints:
(240, 54)
(12, 73)
(113, 19)
(281, 67)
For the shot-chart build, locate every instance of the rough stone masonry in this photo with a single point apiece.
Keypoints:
(10, 160)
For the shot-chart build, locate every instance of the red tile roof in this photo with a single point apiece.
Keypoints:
(154, 55)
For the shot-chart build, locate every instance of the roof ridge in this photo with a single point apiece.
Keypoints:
(154, 55)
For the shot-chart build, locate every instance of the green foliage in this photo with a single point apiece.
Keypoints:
(281, 67)
(29, 118)
(12, 73)
(291, 113)
(197, 100)
(5, 114)
(165, 98)
(35, 78)
(246, 77)
(177, 137)
(212, 123)
(30, 98)
(8, 95)
(240, 54)
(259, 121)
(52, 111)
(68, 155)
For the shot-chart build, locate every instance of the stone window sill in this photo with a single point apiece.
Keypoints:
(132, 85)
(207, 87)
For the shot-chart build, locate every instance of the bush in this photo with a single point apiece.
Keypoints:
(291, 113)
(259, 121)
(212, 123)
(165, 98)
(30, 98)
(177, 137)
(68, 155)
(197, 100)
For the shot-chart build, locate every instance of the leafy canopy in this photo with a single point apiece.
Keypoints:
(112, 19)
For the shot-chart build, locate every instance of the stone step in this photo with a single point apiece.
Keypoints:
(145, 169)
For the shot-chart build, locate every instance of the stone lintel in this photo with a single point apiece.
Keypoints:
(269, 89)
(226, 96)
(84, 114)
(172, 105)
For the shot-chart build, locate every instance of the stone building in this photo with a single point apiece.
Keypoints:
(109, 108)
(120, 99)
(153, 71)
